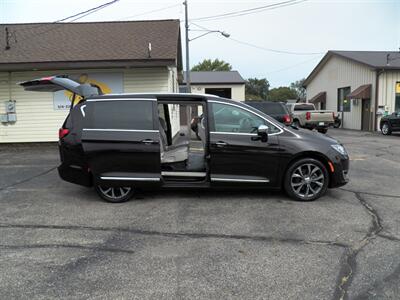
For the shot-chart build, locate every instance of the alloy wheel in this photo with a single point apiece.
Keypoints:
(307, 180)
(385, 129)
(115, 193)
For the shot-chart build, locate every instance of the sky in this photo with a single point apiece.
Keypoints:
(313, 26)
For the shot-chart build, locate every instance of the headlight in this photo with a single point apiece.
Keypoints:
(340, 149)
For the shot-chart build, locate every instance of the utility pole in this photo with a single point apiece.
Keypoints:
(188, 88)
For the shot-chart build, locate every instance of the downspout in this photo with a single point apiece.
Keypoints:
(378, 73)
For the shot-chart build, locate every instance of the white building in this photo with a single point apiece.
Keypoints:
(120, 57)
(227, 84)
(361, 85)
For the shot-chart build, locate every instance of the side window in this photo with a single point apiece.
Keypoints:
(125, 114)
(228, 118)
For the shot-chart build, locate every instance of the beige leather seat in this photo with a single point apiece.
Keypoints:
(171, 154)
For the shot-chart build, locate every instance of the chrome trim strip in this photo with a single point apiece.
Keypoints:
(239, 180)
(121, 99)
(130, 178)
(250, 111)
(235, 133)
(184, 174)
(113, 130)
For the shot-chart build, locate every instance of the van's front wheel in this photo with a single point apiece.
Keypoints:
(306, 180)
(114, 194)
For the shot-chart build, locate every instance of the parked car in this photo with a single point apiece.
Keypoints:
(119, 143)
(277, 110)
(305, 115)
(390, 123)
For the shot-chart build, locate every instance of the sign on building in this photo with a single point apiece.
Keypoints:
(108, 82)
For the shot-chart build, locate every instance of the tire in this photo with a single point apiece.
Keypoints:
(323, 130)
(114, 194)
(300, 186)
(296, 123)
(386, 129)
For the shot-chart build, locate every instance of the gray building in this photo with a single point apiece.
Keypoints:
(361, 85)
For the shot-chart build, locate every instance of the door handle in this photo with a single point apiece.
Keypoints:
(221, 144)
(148, 142)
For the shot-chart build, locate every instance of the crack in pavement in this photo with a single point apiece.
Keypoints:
(347, 271)
(27, 179)
(66, 274)
(192, 235)
(370, 194)
(389, 237)
(72, 246)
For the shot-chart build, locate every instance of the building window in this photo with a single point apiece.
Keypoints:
(397, 101)
(343, 103)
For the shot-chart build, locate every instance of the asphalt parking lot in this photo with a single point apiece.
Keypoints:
(59, 240)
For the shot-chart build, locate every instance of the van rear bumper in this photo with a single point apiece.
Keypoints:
(75, 174)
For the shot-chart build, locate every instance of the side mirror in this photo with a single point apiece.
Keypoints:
(262, 132)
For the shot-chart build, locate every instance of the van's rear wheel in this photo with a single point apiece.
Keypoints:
(114, 194)
(306, 180)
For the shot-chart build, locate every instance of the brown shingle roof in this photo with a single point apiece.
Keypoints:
(91, 41)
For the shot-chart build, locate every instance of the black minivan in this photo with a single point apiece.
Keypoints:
(122, 142)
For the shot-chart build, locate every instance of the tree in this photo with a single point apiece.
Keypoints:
(212, 65)
(257, 89)
(298, 87)
(282, 93)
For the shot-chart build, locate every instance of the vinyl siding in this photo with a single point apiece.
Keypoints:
(387, 89)
(337, 73)
(37, 121)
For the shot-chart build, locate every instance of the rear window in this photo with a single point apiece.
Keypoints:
(269, 108)
(125, 114)
(304, 107)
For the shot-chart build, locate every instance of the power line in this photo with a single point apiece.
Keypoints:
(248, 11)
(292, 66)
(151, 11)
(91, 10)
(262, 48)
(60, 22)
(244, 10)
(275, 50)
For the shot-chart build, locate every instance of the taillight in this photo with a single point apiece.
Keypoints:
(308, 115)
(287, 119)
(62, 132)
(333, 115)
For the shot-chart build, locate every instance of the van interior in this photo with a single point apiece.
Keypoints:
(182, 141)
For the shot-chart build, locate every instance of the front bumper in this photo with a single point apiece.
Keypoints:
(341, 164)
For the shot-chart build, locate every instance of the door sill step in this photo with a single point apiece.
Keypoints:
(183, 174)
